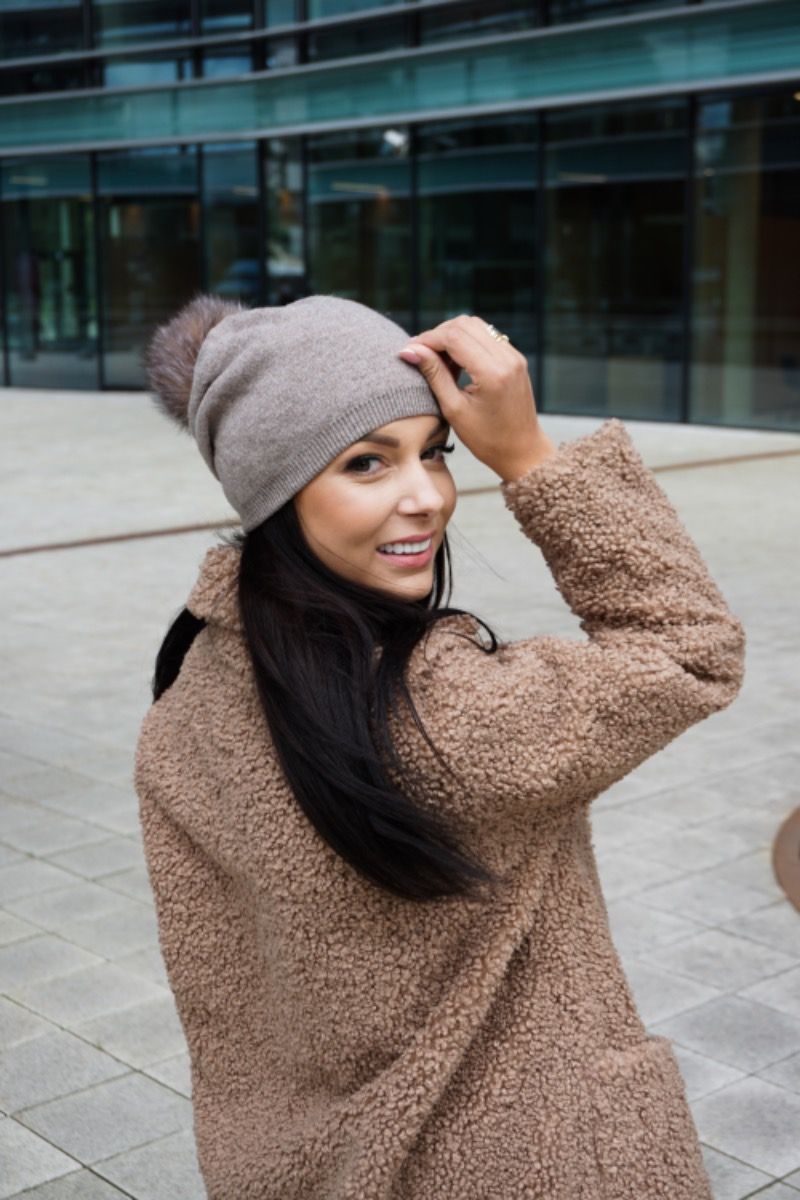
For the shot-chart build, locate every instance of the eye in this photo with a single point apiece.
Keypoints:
(355, 463)
(358, 464)
(444, 449)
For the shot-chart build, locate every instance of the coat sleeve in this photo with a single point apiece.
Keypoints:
(558, 719)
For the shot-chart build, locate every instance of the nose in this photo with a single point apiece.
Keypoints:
(419, 492)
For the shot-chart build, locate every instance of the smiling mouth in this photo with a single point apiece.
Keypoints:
(412, 546)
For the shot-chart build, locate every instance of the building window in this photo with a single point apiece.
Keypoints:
(130, 71)
(360, 218)
(284, 188)
(49, 269)
(746, 302)
(117, 22)
(477, 223)
(478, 20)
(27, 31)
(230, 221)
(149, 215)
(226, 16)
(614, 280)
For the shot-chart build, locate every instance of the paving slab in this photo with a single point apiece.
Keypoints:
(754, 1121)
(720, 959)
(161, 1170)
(141, 1036)
(78, 1185)
(85, 993)
(28, 1159)
(739, 1032)
(111, 1117)
(786, 1073)
(731, 1179)
(43, 1068)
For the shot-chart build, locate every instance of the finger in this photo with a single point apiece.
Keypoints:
(438, 376)
(465, 344)
(479, 328)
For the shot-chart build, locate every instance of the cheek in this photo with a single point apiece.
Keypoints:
(350, 514)
(450, 494)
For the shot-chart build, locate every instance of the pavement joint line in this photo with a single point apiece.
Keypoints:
(107, 539)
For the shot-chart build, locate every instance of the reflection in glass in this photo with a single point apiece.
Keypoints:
(43, 77)
(283, 184)
(281, 52)
(120, 21)
(335, 8)
(477, 198)
(478, 20)
(746, 301)
(230, 225)
(28, 30)
(48, 258)
(563, 11)
(614, 259)
(360, 219)
(225, 16)
(149, 217)
(221, 61)
(367, 37)
(280, 12)
(156, 68)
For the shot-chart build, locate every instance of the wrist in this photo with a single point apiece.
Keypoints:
(543, 448)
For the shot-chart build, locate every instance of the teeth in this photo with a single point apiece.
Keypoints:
(406, 547)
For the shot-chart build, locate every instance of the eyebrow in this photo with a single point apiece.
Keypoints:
(381, 439)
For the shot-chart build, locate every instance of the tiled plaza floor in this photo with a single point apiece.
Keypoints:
(94, 1084)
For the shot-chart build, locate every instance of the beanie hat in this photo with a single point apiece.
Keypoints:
(272, 395)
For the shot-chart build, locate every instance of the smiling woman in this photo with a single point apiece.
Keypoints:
(331, 604)
(363, 511)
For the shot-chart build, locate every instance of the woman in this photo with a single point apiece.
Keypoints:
(367, 832)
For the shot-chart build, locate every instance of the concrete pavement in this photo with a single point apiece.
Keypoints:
(94, 1082)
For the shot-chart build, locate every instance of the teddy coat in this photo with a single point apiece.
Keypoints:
(347, 1044)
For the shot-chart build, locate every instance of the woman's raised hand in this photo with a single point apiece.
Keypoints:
(495, 415)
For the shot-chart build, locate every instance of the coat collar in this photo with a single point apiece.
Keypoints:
(215, 595)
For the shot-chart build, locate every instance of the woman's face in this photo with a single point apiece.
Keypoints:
(391, 486)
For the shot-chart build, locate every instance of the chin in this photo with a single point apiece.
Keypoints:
(417, 590)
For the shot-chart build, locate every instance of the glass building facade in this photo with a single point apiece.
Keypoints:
(614, 183)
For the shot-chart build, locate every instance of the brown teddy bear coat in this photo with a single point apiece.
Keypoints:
(346, 1044)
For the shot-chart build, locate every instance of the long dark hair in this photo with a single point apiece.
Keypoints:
(327, 698)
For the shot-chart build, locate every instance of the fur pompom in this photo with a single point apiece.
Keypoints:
(171, 353)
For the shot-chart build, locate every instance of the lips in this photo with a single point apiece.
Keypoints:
(414, 537)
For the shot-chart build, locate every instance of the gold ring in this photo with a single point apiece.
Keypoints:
(496, 334)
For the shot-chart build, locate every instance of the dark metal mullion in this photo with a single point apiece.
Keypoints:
(202, 223)
(97, 214)
(301, 13)
(262, 221)
(414, 213)
(304, 196)
(688, 260)
(4, 295)
(92, 67)
(88, 25)
(196, 52)
(540, 232)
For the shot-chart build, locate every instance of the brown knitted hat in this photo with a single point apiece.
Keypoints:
(272, 395)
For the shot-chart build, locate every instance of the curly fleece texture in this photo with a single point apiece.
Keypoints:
(347, 1044)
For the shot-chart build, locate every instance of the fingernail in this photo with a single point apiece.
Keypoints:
(411, 354)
